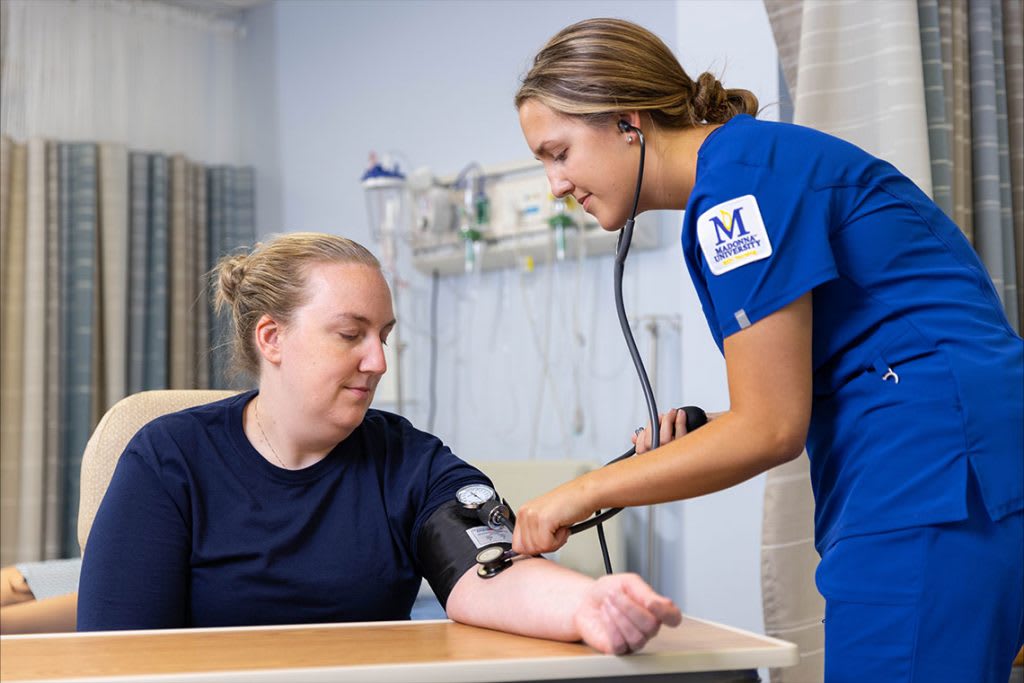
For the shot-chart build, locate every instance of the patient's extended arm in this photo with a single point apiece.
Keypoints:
(615, 614)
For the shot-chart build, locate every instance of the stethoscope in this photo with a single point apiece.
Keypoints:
(497, 514)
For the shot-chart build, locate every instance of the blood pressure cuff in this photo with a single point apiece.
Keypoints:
(447, 546)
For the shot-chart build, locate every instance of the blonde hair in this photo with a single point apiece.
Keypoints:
(598, 68)
(270, 279)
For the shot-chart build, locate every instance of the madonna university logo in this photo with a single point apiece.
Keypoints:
(732, 234)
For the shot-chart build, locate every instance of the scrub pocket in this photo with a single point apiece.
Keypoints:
(872, 586)
(888, 448)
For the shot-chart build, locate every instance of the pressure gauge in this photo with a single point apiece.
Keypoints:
(473, 496)
(479, 501)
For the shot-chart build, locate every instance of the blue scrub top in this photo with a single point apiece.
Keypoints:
(779, 210)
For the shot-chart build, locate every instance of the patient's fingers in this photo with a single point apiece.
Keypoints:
(622, 613)
(643, 619)
(660, 606)
(632, 636)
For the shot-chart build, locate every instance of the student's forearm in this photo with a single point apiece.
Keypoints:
(769, 372)
(708, 460)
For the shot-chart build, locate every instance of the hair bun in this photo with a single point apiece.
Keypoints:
(230, 274)
(710, 102)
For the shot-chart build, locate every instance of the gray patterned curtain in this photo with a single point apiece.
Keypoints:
(231, 204)
(974, 83)
(103, 256)
(80, 335)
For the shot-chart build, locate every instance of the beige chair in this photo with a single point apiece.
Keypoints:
(21, 612)
(112, 434)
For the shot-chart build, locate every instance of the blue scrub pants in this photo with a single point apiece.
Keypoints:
(940, 603)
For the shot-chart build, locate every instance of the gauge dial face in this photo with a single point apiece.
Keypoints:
(474, 495)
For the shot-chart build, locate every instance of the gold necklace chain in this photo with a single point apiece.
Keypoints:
(256, 409)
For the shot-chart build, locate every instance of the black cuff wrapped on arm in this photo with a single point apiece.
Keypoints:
(445, 550)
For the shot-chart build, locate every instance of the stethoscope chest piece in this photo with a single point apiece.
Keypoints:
(493, 560)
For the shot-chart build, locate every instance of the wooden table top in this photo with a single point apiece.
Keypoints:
(380, 651)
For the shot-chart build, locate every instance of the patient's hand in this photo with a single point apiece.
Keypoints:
(620, 613)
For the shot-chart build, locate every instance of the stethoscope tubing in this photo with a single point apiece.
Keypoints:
(621, 252)
(695, 417)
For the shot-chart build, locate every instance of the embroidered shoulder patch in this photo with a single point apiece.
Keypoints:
(732, 234)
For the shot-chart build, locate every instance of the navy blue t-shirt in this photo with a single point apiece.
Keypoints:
(198, 529)
(918, 375)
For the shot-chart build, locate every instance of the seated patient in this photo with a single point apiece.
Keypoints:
(296, 503)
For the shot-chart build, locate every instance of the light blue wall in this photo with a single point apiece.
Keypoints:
(433, 81)
(261, 131)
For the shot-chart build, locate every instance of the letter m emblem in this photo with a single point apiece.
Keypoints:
(735, 222)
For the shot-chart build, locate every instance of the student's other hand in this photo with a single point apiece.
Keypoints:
(620, 613)
(672, 426)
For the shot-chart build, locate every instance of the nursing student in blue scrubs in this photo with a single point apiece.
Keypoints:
(854, 318)
(297, 503)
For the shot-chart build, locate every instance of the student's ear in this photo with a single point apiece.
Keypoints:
(632, 118)
(268, 339)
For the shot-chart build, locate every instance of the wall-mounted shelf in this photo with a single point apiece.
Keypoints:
(446, 254)
(518, 233)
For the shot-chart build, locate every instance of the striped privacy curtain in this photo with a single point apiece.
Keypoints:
(933, 86)
(104, 253)
(974, 81)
